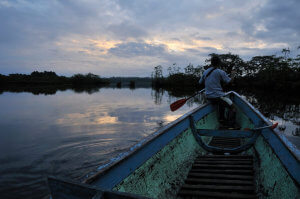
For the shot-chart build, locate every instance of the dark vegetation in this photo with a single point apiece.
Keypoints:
(119, 85)
(131, 82)
(51, 78)
(177, 79)
(272, 73)
(48, 82)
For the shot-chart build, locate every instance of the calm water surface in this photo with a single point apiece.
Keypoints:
(71, 134)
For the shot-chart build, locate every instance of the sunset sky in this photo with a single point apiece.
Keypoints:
(130, 37)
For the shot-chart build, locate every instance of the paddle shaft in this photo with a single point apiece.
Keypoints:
(195, 94)
(179, 103)
(273, 126)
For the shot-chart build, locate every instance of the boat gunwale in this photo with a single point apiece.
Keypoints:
(135, 148)
(293, 149)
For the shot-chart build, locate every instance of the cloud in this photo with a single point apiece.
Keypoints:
(132, 49)
(126, 30)
(99, 36)
(275, 21)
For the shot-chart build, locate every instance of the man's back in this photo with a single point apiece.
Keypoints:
(213, 88)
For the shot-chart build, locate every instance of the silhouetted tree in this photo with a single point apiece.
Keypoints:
(119, 85)
(132, 84)
(157, 81)
(286, 52)
(189, 69)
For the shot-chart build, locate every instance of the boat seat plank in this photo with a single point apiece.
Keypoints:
(223, 171)
(247, 162)
(207, 194)
(224, 159)
(226, 156)
(239, 188)
(191, 180)
(220, 176)
(222, 166)
(225, 133)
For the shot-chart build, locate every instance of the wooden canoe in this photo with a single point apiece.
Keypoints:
(192, 158)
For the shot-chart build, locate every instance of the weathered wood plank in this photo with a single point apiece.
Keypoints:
(224, 159)
(205, 194)
(227, 156)
(224, 162)
(223, 171)
(245, 188)
(225, 133)
(220, 176)
(191, 180)
(222, 166)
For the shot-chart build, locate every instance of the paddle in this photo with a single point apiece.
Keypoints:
(179, 103)
(273, 126)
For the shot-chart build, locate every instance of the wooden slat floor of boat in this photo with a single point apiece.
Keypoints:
(223, 142)
(220, 176)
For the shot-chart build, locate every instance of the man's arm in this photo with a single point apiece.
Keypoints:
(201, 80)
(225, 78)
(232, 75)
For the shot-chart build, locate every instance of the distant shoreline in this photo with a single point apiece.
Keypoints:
(49, 83)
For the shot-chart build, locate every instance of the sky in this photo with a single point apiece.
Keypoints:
(131, 37)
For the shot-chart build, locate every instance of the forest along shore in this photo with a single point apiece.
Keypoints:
(262, 73)
(271, 73)
(49, 82)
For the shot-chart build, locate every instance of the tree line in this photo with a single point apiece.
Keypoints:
(50, 78)
(274, 73)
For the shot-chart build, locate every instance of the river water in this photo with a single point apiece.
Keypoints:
(70, 134)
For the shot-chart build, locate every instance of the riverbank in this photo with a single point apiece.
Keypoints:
(50, 78)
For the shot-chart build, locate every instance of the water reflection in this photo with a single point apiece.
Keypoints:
(48, 89)
(157, 95)
(88, 118)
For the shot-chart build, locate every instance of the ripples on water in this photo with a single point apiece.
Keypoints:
(71, 134)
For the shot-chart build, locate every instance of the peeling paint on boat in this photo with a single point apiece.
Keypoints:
(272, 180)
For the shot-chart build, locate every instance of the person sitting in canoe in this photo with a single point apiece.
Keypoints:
(212, 79)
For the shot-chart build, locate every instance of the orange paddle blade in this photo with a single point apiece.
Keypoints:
(176, 105)
(274, 125)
